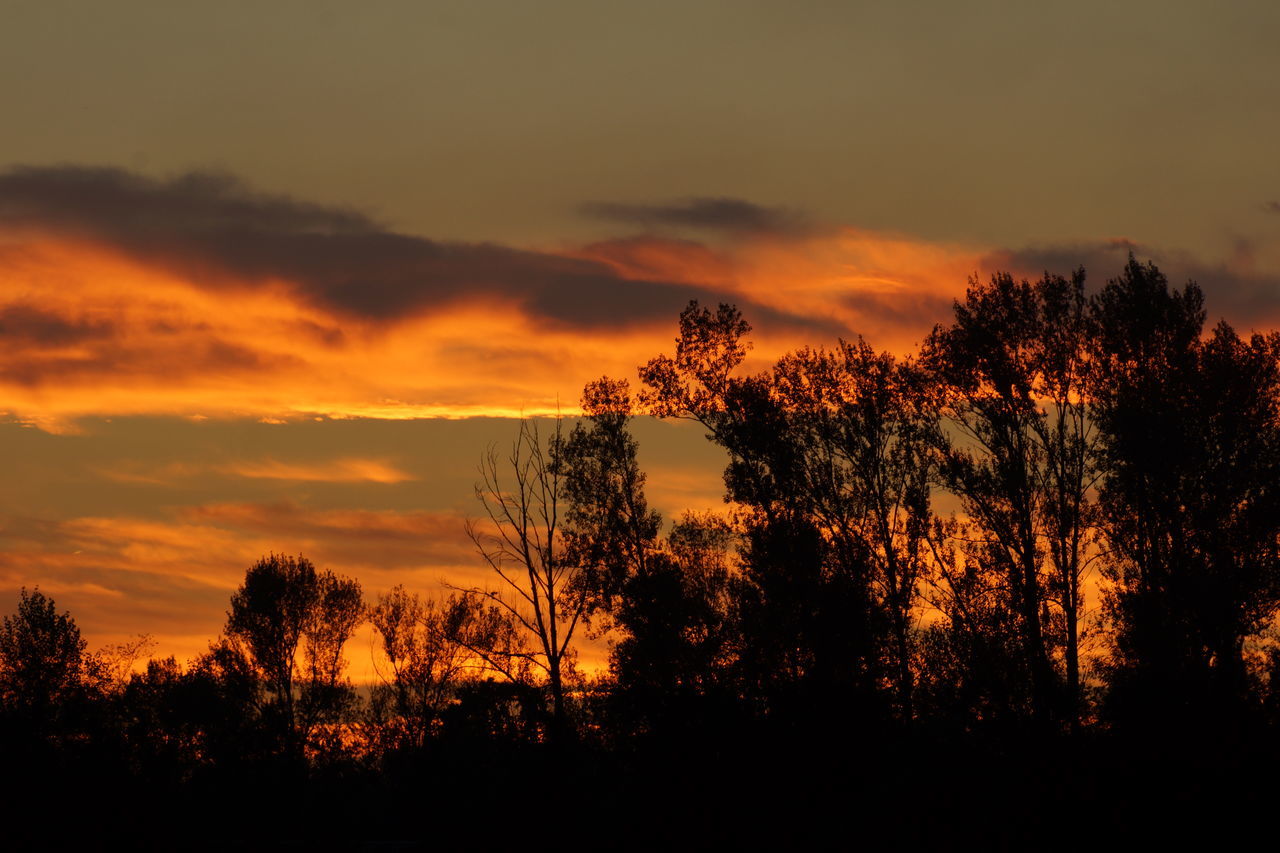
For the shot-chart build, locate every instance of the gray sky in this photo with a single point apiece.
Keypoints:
(1000, 122)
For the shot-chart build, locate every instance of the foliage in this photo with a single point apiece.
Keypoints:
(289, 623)
(1009, 382)
(1190, 499)
(43, 665)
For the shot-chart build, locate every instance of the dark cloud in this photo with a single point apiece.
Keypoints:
(29, 326)
(221, 234)
(1271, 206)
(1101, 260)
(715, 214)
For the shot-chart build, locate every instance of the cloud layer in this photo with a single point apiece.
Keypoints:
(216, 233)
(197, 295)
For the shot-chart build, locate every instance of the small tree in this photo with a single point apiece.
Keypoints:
(42, 658)
(427, 658)
(290, 622)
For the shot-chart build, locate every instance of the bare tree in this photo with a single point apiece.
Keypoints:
(522, 540)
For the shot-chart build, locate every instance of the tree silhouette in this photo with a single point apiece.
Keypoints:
(1019, 452)
(1191, 498)
(862, 437)
(42, 661)
(522, 540)
(827, 462)
(610, 532)
(290, 622)
(427, 646)
(679, 640)
(974, 672)
(664, 603)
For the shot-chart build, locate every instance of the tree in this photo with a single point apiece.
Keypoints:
(1010, 383)
(42, 660)
(862, 439)
(610, 532)
(425, 645)
(290, 622)
(827, 462)
(522, 540)
(663, 602)
(679, 637)
(1191, 495)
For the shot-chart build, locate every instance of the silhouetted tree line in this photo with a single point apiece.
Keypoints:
(1031, 571)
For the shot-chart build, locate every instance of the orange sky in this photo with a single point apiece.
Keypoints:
(113, 335)
(177, 406)
(98, 331)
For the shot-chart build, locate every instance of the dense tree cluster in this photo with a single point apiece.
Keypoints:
(1057, 524)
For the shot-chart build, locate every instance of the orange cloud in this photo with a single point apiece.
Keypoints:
(197, 297)
(889, 288)
(93, 331)
(338, 471)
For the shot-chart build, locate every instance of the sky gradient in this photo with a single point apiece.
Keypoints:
(272, 278)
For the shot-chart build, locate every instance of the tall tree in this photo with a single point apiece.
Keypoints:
(863, 439)
(676, 654)
(1191, 497)
(827, 462)
(805, 625)
(663, 602)
(1019, 452)
(610, 531)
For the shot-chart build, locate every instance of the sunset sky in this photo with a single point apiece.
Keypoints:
(273, 276)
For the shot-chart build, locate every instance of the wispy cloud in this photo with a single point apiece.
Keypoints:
(337, 471)
(345, 470)
(731, 215)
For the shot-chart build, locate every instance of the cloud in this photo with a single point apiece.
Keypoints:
(890, 288)
(345, 470)
(337, 471)
(219, 234)
(1271, 206)
(173, 577)
(368, 540)
(197, 296)
(712, 214)
(24, 324)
